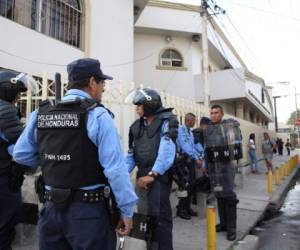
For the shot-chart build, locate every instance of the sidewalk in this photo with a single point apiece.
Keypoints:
(254, 200)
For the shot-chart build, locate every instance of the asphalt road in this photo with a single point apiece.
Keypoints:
(282, 231)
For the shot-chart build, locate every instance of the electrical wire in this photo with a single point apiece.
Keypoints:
(262, 10)
(217, 39)
(64, 65)
(242, 39)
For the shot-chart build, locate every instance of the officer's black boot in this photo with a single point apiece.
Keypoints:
(222, 215)
(190, 211)
(231, 219)
(181, 209)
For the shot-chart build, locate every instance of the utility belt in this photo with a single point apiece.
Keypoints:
(58, 195)
(63, 197)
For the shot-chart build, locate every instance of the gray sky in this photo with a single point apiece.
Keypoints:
(270, 43)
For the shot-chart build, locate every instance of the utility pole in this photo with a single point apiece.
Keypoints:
(275, 109)
(204, 40)
(296, 116)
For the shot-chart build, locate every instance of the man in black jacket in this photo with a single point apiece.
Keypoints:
(11, 176)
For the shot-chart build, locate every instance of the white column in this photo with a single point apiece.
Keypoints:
(240, 110)
(246, 113)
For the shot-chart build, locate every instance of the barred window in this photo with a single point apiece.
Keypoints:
(171, 58)
(60, 19)
(20, 11)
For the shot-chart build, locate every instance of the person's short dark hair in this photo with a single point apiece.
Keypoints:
(82, 83)
(204, 120)
(217, 106)
(188, 115)
(252, 136)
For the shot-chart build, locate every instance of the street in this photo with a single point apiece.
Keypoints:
(282, 231)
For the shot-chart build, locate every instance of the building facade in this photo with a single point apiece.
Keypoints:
(149, 43)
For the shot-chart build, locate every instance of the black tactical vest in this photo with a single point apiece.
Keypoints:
(145, 141)
(69, 159)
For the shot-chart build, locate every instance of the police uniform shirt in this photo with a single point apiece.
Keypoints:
(100, 132)
(185, 142)
(166, 153)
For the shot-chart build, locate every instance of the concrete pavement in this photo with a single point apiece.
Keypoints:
(254, 200)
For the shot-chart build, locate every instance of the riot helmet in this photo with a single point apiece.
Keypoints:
(12, 83)
(148, 98)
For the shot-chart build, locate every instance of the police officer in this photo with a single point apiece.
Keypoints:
(11, 177)
(152, 150)
(79, 151)
(186, 145)
(226, 198)
(198, 132)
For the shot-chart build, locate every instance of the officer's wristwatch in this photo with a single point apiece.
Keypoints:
(153, 174)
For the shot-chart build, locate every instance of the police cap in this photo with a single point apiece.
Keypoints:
(85, 68)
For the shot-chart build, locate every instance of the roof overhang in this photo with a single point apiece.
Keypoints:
(138, 8)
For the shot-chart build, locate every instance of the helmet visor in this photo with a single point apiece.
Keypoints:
(137, 97)
(28, 82)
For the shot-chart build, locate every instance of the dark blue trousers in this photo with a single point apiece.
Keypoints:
(165, 228)
(82, 226)
(158, 199)
(10, 204)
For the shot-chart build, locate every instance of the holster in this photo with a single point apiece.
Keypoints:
(61, 197)
(112, 208)
(39, 187)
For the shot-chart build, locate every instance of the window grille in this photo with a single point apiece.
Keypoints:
(60, 19)
(171, 58)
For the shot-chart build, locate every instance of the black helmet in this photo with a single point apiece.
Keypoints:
(12, 83)
(149, 98)
(10, 87)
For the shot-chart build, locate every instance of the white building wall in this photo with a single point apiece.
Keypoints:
(112, 37)
(256, 89)
(189, 22)
(26, 50)
(170, 19)
(147, 50)
(196, 59)
(110, 41)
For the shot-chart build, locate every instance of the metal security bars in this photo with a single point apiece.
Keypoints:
(20, 11)
(114, 99)
(60, 19)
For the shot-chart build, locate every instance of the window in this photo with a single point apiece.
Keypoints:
(171, 58)
(60, 19)
(20, 11)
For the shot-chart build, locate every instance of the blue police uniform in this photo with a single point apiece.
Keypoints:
(83, 225)
(186, 145)
(163, 162)
(185, 142)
